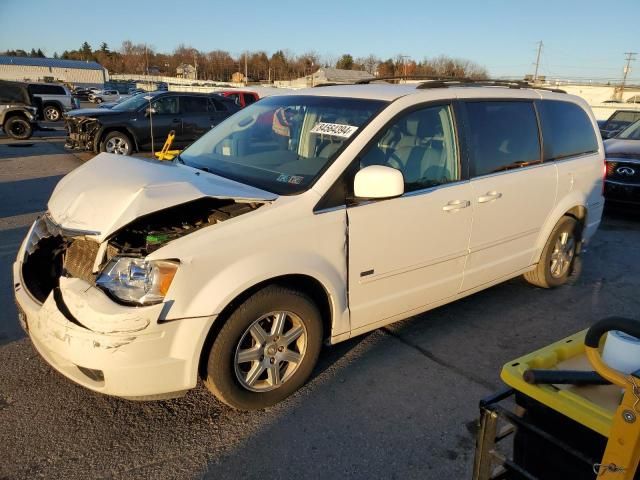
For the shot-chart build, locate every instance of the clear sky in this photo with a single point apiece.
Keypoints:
(581, 38)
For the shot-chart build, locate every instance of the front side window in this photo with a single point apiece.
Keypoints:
(165, 106)
(420, 144)
(566, 129)
(249, 99)
(282, 143)
(502, 136)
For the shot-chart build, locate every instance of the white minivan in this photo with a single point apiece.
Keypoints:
(303, 219)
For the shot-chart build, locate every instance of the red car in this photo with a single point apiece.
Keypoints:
(241, 97)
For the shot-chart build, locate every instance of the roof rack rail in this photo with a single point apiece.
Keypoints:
(485, 82)
(402, 77)
(432, 81)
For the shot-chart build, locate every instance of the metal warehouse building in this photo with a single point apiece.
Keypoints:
(30, 69)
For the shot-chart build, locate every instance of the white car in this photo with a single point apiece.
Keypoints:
(303, 219)
(104, 96)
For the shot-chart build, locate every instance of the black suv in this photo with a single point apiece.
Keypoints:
(18, 110)
(127, 127)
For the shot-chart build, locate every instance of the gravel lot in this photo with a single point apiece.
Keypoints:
(399, 402)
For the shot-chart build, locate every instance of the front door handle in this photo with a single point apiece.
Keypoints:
(455, 205)
(489, 197)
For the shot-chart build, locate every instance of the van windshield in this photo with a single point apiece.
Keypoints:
(282, 143)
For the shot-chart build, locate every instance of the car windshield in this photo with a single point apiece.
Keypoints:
(131, 103)
(632, 132)
(282, 143)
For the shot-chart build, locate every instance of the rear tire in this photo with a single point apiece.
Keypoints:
(558, 256)
(18, 127)
(255, 364)
(51, 113)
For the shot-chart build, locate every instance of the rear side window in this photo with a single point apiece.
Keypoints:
(249, 99)
(566, 130)
(194, 104)
(216, 105)
(502, 135)
(47, 90)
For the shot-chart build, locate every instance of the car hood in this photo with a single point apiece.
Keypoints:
(110, 191)
(614, 146)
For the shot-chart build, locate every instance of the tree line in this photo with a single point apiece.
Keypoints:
(141, 58)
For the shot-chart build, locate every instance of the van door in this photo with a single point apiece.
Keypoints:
(513, 190)
(406, 253)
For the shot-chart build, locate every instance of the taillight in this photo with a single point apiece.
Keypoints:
(607, 170)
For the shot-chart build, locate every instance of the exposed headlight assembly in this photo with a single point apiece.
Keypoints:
(137, 280)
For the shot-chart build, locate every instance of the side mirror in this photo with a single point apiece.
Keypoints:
(378, 181)
(150, 111)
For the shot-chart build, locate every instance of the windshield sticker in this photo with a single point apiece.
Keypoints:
(334, 129)
(293, 179)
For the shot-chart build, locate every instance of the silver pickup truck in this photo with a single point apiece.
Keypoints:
(56, 99)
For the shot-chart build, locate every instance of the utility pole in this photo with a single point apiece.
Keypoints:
(535, 75)
(245, 69)
(404, 65)
(630, 56)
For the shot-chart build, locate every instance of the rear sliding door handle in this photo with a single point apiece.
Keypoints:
(454, 205)
(489, 197)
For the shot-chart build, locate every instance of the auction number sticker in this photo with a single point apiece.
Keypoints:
(334, 129)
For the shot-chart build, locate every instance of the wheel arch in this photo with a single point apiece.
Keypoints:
(574, 207)
(305, 283)
(53, 103)
(13, 113)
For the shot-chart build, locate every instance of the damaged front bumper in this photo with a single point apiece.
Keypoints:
(107, 347)
(81, 133)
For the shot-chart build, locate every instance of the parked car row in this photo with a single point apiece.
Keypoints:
(126, 127)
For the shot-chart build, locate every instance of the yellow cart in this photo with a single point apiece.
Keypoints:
(581, 422)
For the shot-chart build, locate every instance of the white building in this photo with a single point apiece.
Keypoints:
(28, 69)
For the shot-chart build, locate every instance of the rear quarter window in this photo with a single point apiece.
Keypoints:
(566, 130)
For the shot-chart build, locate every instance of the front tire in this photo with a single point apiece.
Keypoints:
(117, 143)
(52, 113)
(558, 256)
(266, 349)
(18, 128)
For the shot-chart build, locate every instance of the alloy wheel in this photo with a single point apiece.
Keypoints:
(562, 255)
(51, 114)
(270, 351)
(117, 145)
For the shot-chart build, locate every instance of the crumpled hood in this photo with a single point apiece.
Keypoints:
(110, 191)
(619, 145)
(93, 112)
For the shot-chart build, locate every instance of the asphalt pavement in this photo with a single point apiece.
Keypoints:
(400, 402)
